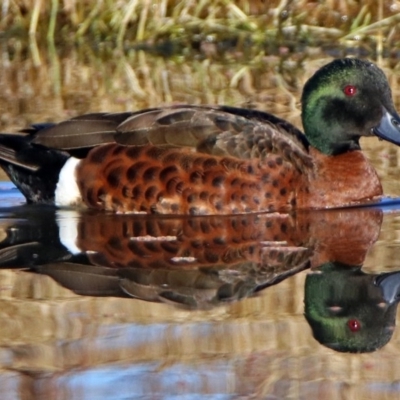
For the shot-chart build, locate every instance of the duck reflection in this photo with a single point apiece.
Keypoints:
(191, 262)
(202, 262)
(349, 310)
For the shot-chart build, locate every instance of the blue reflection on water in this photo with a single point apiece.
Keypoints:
(9, 195)
(140, 380)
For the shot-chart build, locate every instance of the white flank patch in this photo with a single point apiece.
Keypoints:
(67, 221)
(67, 191)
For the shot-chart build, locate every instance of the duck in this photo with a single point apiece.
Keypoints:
(211, 160)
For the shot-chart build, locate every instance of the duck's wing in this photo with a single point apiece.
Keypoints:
(223, 131)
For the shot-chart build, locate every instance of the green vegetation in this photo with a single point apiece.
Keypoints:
(208, 26)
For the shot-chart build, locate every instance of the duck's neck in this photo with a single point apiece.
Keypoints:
(344, 179)
(318, 120)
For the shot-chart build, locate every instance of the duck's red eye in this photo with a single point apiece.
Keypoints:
(354, 325)
(350, 90)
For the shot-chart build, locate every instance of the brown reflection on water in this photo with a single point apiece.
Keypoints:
(53, 340)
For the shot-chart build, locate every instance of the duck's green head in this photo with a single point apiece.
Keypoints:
(344, 100)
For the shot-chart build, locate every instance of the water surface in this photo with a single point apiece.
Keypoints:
(96, 307)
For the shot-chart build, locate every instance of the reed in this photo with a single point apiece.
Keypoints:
(209, 24)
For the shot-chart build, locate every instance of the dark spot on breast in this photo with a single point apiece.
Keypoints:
(131, 173)
(268, 195)
(166, 172)
(196, 244)
(150, 174)
(114, 177)
(196, 177)
(133, 152)
(209, 163)
(118, 150)
(275, 183)
(219, 206)
(171, 185)
(191, 198)
(186, 162)
(98, 154)
(137, 192)
(283, 192)
(271, 164)
(250, 169)
(175, 207)
(219, 241)
(279, 160)
(204, 195)
(268, 224)
(229, 164)
(218, 181)
(155, 153)
(150, 192)
(284, 228)
(265, 178)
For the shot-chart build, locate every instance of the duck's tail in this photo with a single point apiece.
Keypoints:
(34, 169)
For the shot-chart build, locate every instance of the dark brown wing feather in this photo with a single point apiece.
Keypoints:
(84, 131)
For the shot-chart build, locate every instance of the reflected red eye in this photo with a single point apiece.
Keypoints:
(354, 325)
(350, 90)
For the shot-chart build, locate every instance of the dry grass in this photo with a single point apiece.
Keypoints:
(209, 25)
